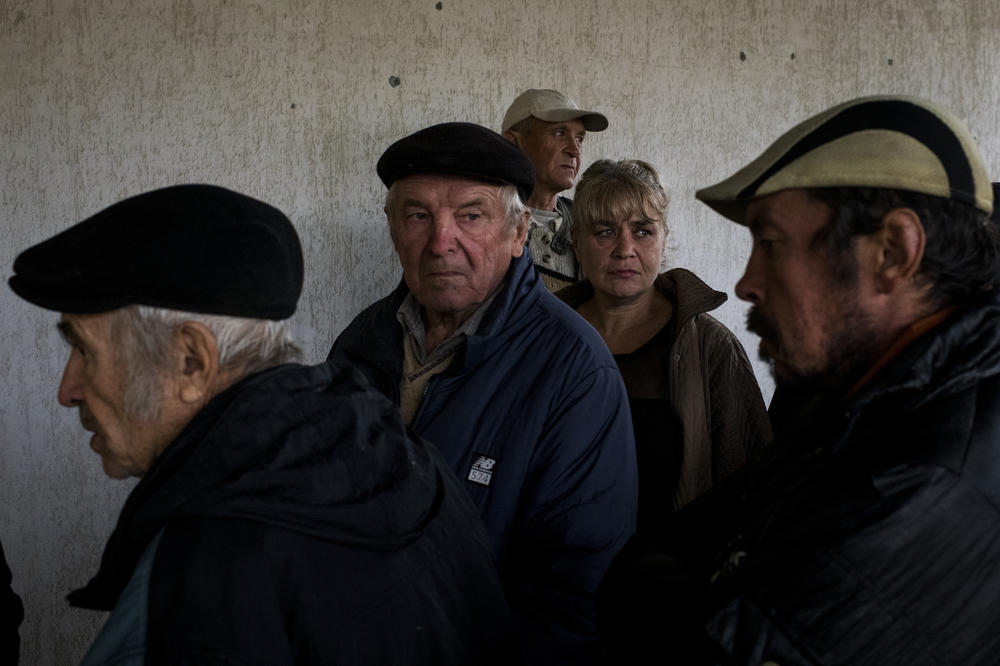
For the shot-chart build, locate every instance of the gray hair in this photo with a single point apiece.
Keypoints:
(143, 335)
(514, 209)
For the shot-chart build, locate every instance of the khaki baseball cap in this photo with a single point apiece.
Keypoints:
(888, 141)
(551, 106)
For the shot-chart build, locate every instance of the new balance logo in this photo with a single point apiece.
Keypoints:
(481, 471)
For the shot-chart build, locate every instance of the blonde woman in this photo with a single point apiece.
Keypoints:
(697, 410)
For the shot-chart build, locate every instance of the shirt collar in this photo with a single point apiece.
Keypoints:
(410, 316)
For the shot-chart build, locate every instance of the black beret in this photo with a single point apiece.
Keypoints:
(196, 248)
(461, 149)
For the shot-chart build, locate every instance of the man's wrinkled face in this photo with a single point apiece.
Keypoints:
(813, 327)
(128, 438)
(453, 239)
(556, 150)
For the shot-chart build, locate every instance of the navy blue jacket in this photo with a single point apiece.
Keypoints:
(294, 521)
(533, 417)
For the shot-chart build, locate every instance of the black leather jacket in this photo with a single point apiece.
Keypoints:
(870, 533)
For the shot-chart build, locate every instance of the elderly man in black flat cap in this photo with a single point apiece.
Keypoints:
(284, 515)
(518, 393)
(870, 531)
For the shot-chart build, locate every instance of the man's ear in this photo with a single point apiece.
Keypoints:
(513, 137)
(521, 234)
(198, 356)
(900, 249)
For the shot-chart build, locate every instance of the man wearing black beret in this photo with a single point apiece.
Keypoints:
(283, 516)
(520, 395)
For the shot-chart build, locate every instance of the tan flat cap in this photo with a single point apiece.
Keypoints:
(888, 141)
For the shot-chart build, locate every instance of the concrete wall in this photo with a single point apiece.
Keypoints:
(292, 101)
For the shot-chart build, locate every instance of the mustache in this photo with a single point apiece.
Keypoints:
(759, 323)
(86, 418)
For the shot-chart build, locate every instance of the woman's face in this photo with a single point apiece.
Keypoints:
(621, 258)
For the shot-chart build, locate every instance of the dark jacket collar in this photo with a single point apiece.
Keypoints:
(520, 291)
(308, 449)
(959, 352)
(689, 295)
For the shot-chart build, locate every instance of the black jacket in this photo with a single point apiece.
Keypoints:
(869, 534)
(295, 521)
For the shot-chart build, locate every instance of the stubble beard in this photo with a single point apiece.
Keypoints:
(851, 350)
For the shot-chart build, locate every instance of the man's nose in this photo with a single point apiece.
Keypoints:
(748, 287)
(442, 239)
(573, 148)
(70, 393)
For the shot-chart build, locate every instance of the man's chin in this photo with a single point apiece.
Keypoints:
(789, 378)
(831, 382)
(115, 470)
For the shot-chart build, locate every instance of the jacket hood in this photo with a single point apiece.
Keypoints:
(314, 450)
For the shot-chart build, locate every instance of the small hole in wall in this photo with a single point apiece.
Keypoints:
(393, 81)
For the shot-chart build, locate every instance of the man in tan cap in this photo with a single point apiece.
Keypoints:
(550, 128)
(870, 531)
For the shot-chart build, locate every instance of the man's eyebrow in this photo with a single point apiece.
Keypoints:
(759, 223)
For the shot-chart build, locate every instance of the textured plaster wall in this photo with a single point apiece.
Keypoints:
(292, 101)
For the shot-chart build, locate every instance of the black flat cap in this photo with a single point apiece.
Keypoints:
(460, 149)
(196, 248)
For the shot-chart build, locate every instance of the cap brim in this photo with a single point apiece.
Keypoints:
(592, 121)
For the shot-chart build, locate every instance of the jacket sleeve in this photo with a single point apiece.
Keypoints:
(578, 511)
(739, 423)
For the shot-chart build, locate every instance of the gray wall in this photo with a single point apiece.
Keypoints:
(291, 101)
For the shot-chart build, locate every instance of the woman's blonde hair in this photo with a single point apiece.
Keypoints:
(610, 190)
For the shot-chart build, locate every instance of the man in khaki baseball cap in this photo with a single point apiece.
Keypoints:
(868, 532)
(550, 128)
